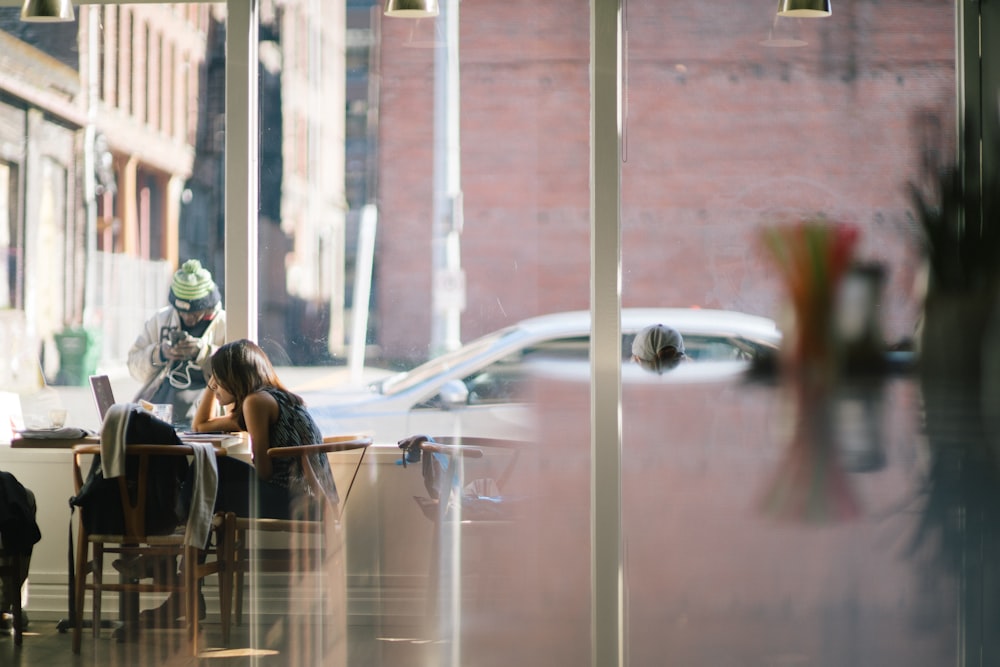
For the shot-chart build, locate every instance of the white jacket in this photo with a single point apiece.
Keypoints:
(144, 362)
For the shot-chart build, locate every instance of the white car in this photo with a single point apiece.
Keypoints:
(477, 389)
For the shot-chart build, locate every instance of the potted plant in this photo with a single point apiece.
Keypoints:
(962, 251)
(960, 384)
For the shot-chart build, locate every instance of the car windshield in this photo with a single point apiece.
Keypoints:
(403, 381)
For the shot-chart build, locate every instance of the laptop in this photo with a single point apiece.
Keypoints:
(104, 397)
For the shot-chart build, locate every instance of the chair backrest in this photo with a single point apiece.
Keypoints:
(445, 476)
(134, 488)
(475, 447)
(331, 444)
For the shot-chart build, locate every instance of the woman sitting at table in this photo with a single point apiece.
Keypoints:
(244, 383)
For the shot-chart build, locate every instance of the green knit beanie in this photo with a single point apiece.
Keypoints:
(193, 288)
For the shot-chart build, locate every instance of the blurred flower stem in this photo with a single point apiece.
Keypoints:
(812, 256)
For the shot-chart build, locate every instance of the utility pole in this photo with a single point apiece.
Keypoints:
(448, 278)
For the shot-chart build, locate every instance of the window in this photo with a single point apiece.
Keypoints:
(483, 220)
(724, 134)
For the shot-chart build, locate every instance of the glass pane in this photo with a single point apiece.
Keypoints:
(113, 187)
(110, 164)
(765, 522)
(413, 217)
(365, 247)
(402, 248)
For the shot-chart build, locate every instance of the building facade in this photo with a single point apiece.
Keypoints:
(115, 140)
(720, 132)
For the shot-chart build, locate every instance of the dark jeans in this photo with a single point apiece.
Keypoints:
(239, 490)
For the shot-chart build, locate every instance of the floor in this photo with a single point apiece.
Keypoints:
(44, 645)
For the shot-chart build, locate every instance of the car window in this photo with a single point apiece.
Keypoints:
(503, 381)
(710, 348)
(701, 347)
(499, 383)
(575, 347)
(422, 373)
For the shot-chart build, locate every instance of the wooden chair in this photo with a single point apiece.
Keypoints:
(305, 547)
(514, 447)
(446, 502)
(134, 541)
(460, 448)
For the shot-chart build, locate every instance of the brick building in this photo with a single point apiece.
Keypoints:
(140, 91)
(721, 135)
(302, 228)
(92, 204)
(40, 182)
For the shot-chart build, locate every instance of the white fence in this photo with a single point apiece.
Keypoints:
(127, 291)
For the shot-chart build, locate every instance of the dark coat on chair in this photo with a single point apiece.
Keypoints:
(100, 499)
(18, 530)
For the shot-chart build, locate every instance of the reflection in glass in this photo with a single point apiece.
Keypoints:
(722, 142)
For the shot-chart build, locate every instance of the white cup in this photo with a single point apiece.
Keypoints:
(57, 417)
(164, 411)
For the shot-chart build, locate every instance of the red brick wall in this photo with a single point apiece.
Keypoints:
(722, 135)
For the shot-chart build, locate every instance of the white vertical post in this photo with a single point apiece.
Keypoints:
(242, 167)
(607, 629)
(448, 286)
(362, 289)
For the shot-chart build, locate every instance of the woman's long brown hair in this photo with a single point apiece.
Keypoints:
(243, 368)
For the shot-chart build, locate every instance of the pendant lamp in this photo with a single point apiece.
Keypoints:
(804, 8)
(47, 11)
(411, 9)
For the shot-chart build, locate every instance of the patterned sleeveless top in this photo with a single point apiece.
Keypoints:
(295, 426)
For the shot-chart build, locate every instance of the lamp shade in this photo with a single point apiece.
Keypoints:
(47, 11)
(413, 9)
(804, 8)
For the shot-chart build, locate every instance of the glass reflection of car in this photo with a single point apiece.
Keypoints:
(478, 389)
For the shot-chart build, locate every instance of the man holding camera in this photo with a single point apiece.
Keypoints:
(170, 355)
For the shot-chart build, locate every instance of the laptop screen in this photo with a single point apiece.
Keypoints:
(103, 396)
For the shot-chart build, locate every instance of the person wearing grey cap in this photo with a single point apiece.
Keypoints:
(658, 348)
(170, 356)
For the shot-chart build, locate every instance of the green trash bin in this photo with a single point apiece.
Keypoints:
(79, 351)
